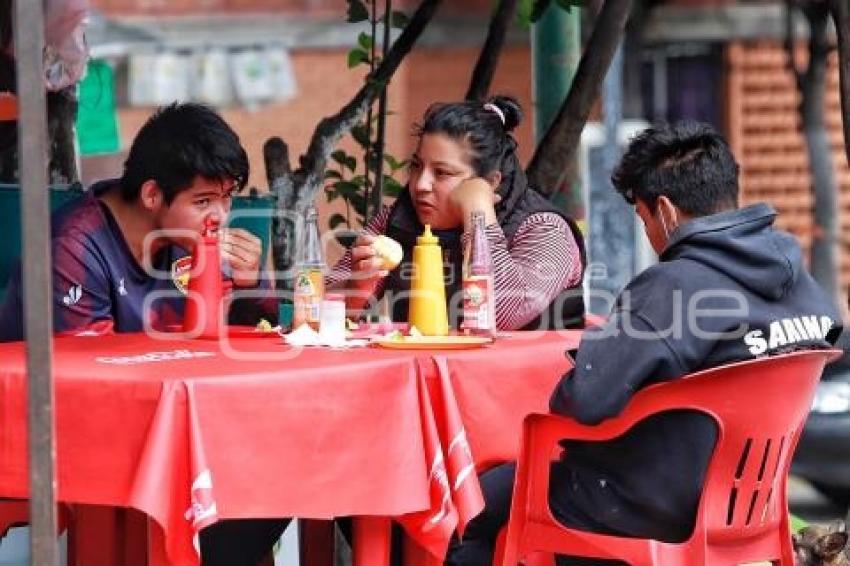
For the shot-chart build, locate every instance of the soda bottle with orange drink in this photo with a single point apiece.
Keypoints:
(309, 285)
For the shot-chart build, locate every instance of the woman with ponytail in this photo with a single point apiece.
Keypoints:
(465, 161)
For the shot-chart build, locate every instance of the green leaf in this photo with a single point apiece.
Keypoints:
(390, 160)
(344, 159)
(357, 56)
(332, 174)
(360, 133)
(358, 202)
(570, 4)
(539, 9)
(347, 189)
(351, 162)
(392, 188)
(365, 40)
(523, 12)
(359, 180)
(797, 524)
(372, 160)
(399, 20)
(394, 164)
(335, 220)
(331, 194)
(357, 12)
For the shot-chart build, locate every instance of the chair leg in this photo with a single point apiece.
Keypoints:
(316, 542)
(415, 555)
(372, 538)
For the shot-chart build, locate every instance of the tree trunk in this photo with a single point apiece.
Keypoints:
(296, 190)
(811, 85)
(554, 158)
(841, 16)
(310, 173)
(279, 176)
(61, 119)
(488, 58)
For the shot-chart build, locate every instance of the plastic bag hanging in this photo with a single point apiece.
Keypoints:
(65, 50)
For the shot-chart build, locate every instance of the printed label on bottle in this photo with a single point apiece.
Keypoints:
(309, 289)
(477, 307)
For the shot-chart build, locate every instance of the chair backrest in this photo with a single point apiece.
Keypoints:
(10, 219)
(760, 407)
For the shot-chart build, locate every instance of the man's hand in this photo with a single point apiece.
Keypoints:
(475, 195)
(242, 250)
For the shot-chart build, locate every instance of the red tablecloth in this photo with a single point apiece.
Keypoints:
(190, 432)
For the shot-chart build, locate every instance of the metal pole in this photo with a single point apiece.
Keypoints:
(556, 50)
(37, 266)
(612, 230)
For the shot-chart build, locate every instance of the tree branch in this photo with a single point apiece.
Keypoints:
(488, 59)
(309, 176)
(790, 40)
(824, 256)
(557, 150)
(278, 172)
(841, 16)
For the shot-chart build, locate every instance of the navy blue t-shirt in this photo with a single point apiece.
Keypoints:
(98, 286)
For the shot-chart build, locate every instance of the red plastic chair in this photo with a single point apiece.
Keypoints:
(16, 513)
(13, 513)
(759, 406)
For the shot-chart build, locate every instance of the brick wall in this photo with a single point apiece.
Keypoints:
(764, 130)
(309, 8)
(325, 84)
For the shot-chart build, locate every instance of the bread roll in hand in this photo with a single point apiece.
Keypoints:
(389, 251)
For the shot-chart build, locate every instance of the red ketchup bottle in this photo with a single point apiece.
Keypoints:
(204, 313)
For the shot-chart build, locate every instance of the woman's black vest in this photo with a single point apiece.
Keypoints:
(566, 311)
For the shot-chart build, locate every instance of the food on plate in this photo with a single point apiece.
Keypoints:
(264, 326)
(395, 335)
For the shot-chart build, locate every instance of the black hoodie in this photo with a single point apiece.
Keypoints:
(731, 273)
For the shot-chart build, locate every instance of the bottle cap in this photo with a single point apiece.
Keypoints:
(427, 237)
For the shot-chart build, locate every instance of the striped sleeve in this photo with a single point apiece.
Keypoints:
(341, 272)
(542, 260)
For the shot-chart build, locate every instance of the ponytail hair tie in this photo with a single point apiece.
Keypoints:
(490, 107)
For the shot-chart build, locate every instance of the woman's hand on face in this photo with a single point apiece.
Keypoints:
(243, 251)
(366, 265)
(475, 195)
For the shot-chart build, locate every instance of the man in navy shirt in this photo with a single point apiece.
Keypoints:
(125, 242)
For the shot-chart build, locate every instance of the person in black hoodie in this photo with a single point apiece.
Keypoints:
(728, 287)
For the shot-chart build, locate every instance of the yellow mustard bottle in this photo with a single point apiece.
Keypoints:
(427, 309)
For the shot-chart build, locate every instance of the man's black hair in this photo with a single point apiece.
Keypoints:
(178, 143)
(688, 162)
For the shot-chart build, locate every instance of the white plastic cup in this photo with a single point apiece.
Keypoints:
(332, 319)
